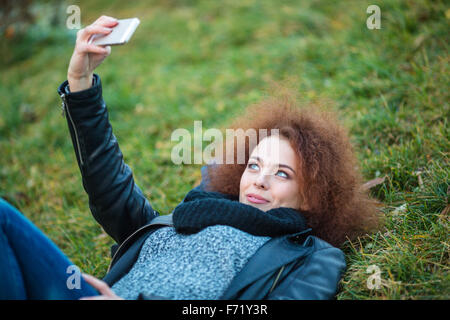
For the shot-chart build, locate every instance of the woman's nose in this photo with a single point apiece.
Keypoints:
(262, 181)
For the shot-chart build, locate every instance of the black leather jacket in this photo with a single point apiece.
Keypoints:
(297, 266)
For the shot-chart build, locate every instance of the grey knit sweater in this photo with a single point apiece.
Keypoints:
(195, 266)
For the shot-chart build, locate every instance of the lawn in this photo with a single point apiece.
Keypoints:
(208, 60)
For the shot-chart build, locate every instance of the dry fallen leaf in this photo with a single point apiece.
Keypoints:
(372, 183)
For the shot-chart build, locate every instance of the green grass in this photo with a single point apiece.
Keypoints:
(207, 60)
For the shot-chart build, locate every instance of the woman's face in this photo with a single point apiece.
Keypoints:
(270, 178)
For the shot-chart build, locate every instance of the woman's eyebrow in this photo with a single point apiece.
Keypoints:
(286, 166)
(279, 165)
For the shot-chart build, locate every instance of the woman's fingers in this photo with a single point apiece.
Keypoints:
(105, 291)
(106, 20)
(86, 47)
(98, 284)
(86, 33)
(91, 48)
(103, 25)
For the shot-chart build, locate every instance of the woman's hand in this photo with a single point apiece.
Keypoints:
(86, 57)
(102, 287)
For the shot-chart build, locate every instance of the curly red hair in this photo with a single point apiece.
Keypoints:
(331, 184)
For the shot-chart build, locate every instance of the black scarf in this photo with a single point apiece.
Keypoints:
(202, 209)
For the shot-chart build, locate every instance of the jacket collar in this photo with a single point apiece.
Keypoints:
(265, 261)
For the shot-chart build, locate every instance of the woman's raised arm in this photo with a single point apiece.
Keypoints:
(115, 200)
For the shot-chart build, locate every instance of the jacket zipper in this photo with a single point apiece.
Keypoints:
(65, 110)
(276, 279)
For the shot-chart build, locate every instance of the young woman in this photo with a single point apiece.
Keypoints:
(263, 229)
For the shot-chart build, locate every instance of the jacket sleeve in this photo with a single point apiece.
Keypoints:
(316, 279)
(115, 201)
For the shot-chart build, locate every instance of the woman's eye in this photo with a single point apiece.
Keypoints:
(253, 166)
(283, 174)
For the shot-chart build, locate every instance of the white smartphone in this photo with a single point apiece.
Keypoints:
(121, 33)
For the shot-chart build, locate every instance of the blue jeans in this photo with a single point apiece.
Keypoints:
(31, 265)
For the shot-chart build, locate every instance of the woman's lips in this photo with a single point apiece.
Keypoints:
(254, 198)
